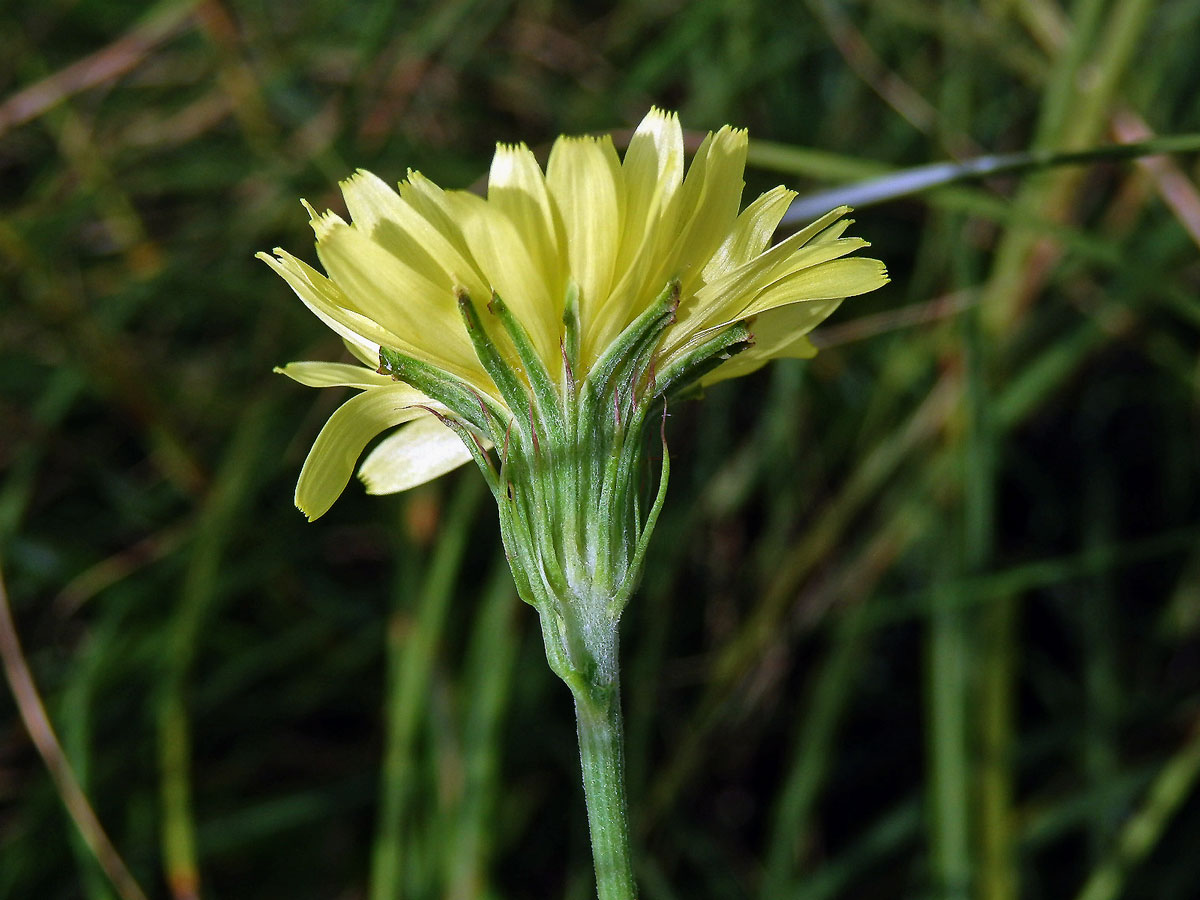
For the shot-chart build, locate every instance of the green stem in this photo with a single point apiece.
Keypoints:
(602, 754)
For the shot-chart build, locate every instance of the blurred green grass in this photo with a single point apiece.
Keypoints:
(921, 616)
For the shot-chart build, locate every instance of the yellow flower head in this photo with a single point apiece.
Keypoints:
(549, 272)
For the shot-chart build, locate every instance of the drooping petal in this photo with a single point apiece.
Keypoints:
(331, 460)
(331, 374)
(584, 178)
(417, 452)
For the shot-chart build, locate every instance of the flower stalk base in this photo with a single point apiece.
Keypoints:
(602, 758)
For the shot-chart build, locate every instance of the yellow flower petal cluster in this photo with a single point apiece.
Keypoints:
(594, 232)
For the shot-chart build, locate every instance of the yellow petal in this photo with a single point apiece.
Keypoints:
(712, 193)
(370, 201)
(378, 284)
(652, 173)
(361, 334)
(396, 296)
(362, 354)
(381, 213)
(331, 460)
(651, 178)
(746, 362)
(418, 452)
(700, 218)
(742, 364)
(707, 210)
(778, 333)
(759, 271)
(833, 232)
(832, 280)
(812, 254)
(584, 178)
(721, 300)
(500, 251)
(517, 187)
(435, 206)
(331, 374)
(827, 281)
(751, 233)
(329, 304)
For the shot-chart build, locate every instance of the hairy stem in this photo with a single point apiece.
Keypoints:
(602, 754)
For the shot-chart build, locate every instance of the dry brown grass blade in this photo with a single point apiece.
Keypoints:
(120, 565)
(862, 59)
(109, 62)
(1175, 188)
(863, 327)
(41, 731)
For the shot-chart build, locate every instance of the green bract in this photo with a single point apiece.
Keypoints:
(562, 460)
